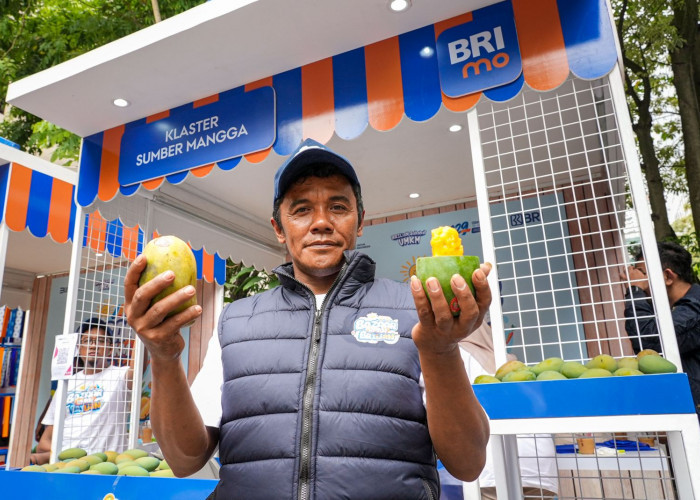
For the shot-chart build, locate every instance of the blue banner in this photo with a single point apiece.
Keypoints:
(480, 54)
(237, 124)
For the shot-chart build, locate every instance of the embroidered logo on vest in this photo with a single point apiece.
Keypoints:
(374, 328)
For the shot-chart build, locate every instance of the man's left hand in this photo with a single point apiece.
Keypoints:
(437, 330)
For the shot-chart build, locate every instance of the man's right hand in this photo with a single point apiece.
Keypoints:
(636, 277)
(160, 335)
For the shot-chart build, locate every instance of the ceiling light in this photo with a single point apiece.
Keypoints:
(427, 51)
(120, 103)
(455, 128)
(399, 5)
(414, 195)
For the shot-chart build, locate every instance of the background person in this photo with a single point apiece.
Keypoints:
(683, 297)
(310, 409)
(97, 399)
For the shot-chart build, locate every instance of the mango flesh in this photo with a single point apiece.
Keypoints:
(604, 361)
(549, 364)
(443, 268)
(550, 375)
(509, 366)
(656, 364)
(572, 369)
(170, 253)
(519, 376)
(486, 379)
(595, 372)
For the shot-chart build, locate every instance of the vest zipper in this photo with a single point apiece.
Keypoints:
(308, 399)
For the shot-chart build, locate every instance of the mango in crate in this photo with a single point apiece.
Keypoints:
(447, 260)
(656, 364)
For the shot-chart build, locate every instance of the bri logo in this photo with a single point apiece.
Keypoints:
(480, 54)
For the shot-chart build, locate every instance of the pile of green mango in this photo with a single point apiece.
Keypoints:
(603, 365)
(134, 462)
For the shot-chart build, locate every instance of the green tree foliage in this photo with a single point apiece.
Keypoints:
(659, 42)
(38, 34)
(645, 33)
(244, 281)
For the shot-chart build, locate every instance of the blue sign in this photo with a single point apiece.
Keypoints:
(237, 124)
(480, 54)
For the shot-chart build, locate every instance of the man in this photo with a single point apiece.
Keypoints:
(684, 298)
(97, 398)
(311, 409)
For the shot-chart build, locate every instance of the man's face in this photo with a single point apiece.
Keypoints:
(95, 347)
(319, 222)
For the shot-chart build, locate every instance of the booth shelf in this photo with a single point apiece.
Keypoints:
(22, 484)
(610, 404)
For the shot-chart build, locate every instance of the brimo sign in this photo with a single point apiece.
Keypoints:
(480, 54)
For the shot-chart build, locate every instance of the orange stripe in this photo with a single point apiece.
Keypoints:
(207, 266)
(263, 82)
(153, 183)
(6, 416)
(97, 232)
(130, 242)
(158, 116)
(258, 156)
(317, 101)
(204, 101)
(18, 197)
(384, 85)
(59, 210)
(109, 167)
(202, 171)
(156, 234)
(545, 65)
(463, 103)
(452, 22)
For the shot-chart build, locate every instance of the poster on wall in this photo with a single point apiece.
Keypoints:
(395, 246)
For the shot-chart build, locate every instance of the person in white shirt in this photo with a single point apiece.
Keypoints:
(97, 398)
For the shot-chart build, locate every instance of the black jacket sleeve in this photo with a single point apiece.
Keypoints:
(640, 322)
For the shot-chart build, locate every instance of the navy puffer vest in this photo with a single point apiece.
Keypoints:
(324, 406)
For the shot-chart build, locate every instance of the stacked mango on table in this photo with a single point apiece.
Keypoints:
(447, 260)
(134, 462)
(647, 361)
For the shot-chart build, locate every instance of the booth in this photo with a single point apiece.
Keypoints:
(506, 120)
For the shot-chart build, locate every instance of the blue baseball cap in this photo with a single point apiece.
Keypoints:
(310, 153)
(96, 323)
